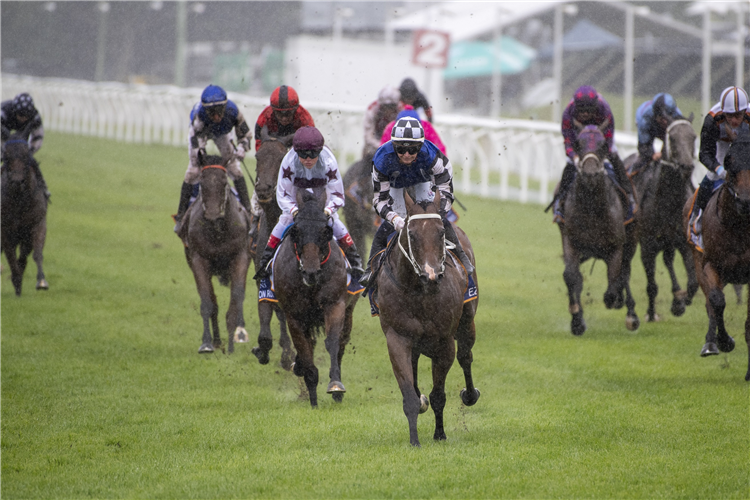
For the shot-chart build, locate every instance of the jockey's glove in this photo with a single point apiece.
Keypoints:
(328, 212)
(721, 172)
(294, 212)
(398, 222)
(240, 153)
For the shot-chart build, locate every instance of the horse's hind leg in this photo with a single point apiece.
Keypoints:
(265, 339)
(648, 259)
(747, 339)
(679, 296)
(441, 365)
(334, 323)
(215, 318)
(465, 337)
(287, 352)
(16, 275)
(38, 239)
(424, 402)
(689, 261)
(718, 302)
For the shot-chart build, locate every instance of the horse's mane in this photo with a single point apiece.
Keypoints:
(211, 160)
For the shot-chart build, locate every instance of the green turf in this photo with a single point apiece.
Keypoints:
(105, 396)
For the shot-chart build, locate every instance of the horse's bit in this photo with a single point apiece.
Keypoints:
(587, 156)
(410, 256)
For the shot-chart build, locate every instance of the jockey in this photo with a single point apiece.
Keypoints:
(379, 113)
(307, 165)
(588, 107)
(429, 131)
(282, 118)
(652, 119)
(408, 160)
(721, 126)
(18, 115)
(213, 118)
(411, 95)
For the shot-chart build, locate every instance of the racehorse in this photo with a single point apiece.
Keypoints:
(422, 311)
(663, 188)
(24, 213)
(267, 162)
(216, 239)
(594, 228)
(725, 256)
(358, 212)
(310, 278)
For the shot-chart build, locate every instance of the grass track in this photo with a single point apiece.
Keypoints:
(105, 396)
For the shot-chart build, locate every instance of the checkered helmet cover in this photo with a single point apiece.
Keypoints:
(408, 129)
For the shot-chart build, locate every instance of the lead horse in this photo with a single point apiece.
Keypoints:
(725, 254)
(594, 228)
(423, 311)
(24, 213)
(663, 188)
(267, 162)
(310, 276)
(214, 232)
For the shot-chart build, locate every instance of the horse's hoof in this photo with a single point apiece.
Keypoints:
(470, 400)
(652, 319)
(726, 345)
(42, 285)
(439, 436)
(678, 308)
(261, 354)
(335, 386)
(632, 323)
(709, 349)
(240, 335)
(337, 397)
(424, 404)
(577, 325)
(297, 369)
(206, 348)
(286, 360)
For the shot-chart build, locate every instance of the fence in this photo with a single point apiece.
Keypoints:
(506, 159)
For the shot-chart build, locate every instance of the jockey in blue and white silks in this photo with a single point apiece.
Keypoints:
(309, 164)
(408, 160)
(213, 118)
(20, 116)
(652, 119)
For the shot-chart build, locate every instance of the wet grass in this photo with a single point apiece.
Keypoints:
(105, 396)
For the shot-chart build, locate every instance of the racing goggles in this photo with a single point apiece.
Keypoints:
(308, 153)
(410, 148)
(285, 113)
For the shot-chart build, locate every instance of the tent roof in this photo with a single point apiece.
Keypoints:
(467, 20)
(585, 35)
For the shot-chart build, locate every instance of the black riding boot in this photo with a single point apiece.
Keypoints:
(568, 175)
(450, 235)
(379, 242)
(40, 179)
(185, 193)
(702, 196)
(263, 264)
(352, 255)
(241, 186)
(622, 176)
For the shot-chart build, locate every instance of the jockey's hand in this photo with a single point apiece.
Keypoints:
(656, 156)
(721, 172)
(328, 212)
(294, 212)
(398, 223)
(240, 153)
(576, 160)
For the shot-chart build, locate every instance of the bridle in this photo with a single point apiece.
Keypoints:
(410, 255)
(668, 143)
(224, 201)
(589, 156)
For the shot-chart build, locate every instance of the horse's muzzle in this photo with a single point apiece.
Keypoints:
(430, 285)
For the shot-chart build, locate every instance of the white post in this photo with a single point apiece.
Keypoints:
(628, 87)
(181, 42)
(497, 83)
(739, 67)
(706, 80)
(558, 62)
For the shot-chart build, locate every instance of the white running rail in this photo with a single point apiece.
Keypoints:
(506, 159)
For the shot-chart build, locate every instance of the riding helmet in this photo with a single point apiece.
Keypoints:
(284, 98)
(585, 97)
(388, 95)
(407, 129)
(213, 96)
(308, 139)
(664, 105)
(409, 90)
(733, 100)
(23, 105)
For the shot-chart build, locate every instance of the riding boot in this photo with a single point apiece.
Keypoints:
(450, 235)
(241, 186)
(264, 261)
(379, 242)
(622, 177)
(702, 196)
(352, 255)
(40, 179)
(568, 176)
(185, 193)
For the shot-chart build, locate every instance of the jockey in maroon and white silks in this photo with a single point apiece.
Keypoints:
(377, 116)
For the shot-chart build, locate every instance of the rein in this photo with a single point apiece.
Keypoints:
(323, 261)
(410, 255)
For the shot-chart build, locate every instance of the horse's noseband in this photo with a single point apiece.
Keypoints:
(410, 255)
(224, 201)
(590, 156)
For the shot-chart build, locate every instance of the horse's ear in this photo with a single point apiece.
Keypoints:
(300, 197)
(604, 125)
(321, 196)
(264, 135)
(436, 201)
(691, 117)
(408, 201)
(578, 125)
(286, 140)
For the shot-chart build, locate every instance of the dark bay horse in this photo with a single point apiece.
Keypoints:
(725, 256)
(422, 311)
(358, 212)
(663, 188)
(310, 283)
(267, 162)
(24, 213)
(593, 228)
(216, 239)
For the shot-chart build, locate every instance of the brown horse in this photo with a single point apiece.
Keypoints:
(663, 188)
(358, 212)
(24, 213)
(267, 162)
(310, 277)
(216, 244)
(725, 256)
(593, 227)
(422, 311)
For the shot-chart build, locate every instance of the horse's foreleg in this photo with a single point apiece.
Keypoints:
(304, 363)
(648, 259)
(687, 259)
(717, 338)
(399, 351)
(441, 365)
(16, 274)
(424, 403)
(265, 339)
(631, 319)
(235, 318)
(465, 337)
(287, 353)
(334, 324)
(38, 238)
(747, 338)
(615, 283)
(202, 276)
(574, 283)
(679, 296)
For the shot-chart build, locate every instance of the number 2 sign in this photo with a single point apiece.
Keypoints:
(430, 49)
